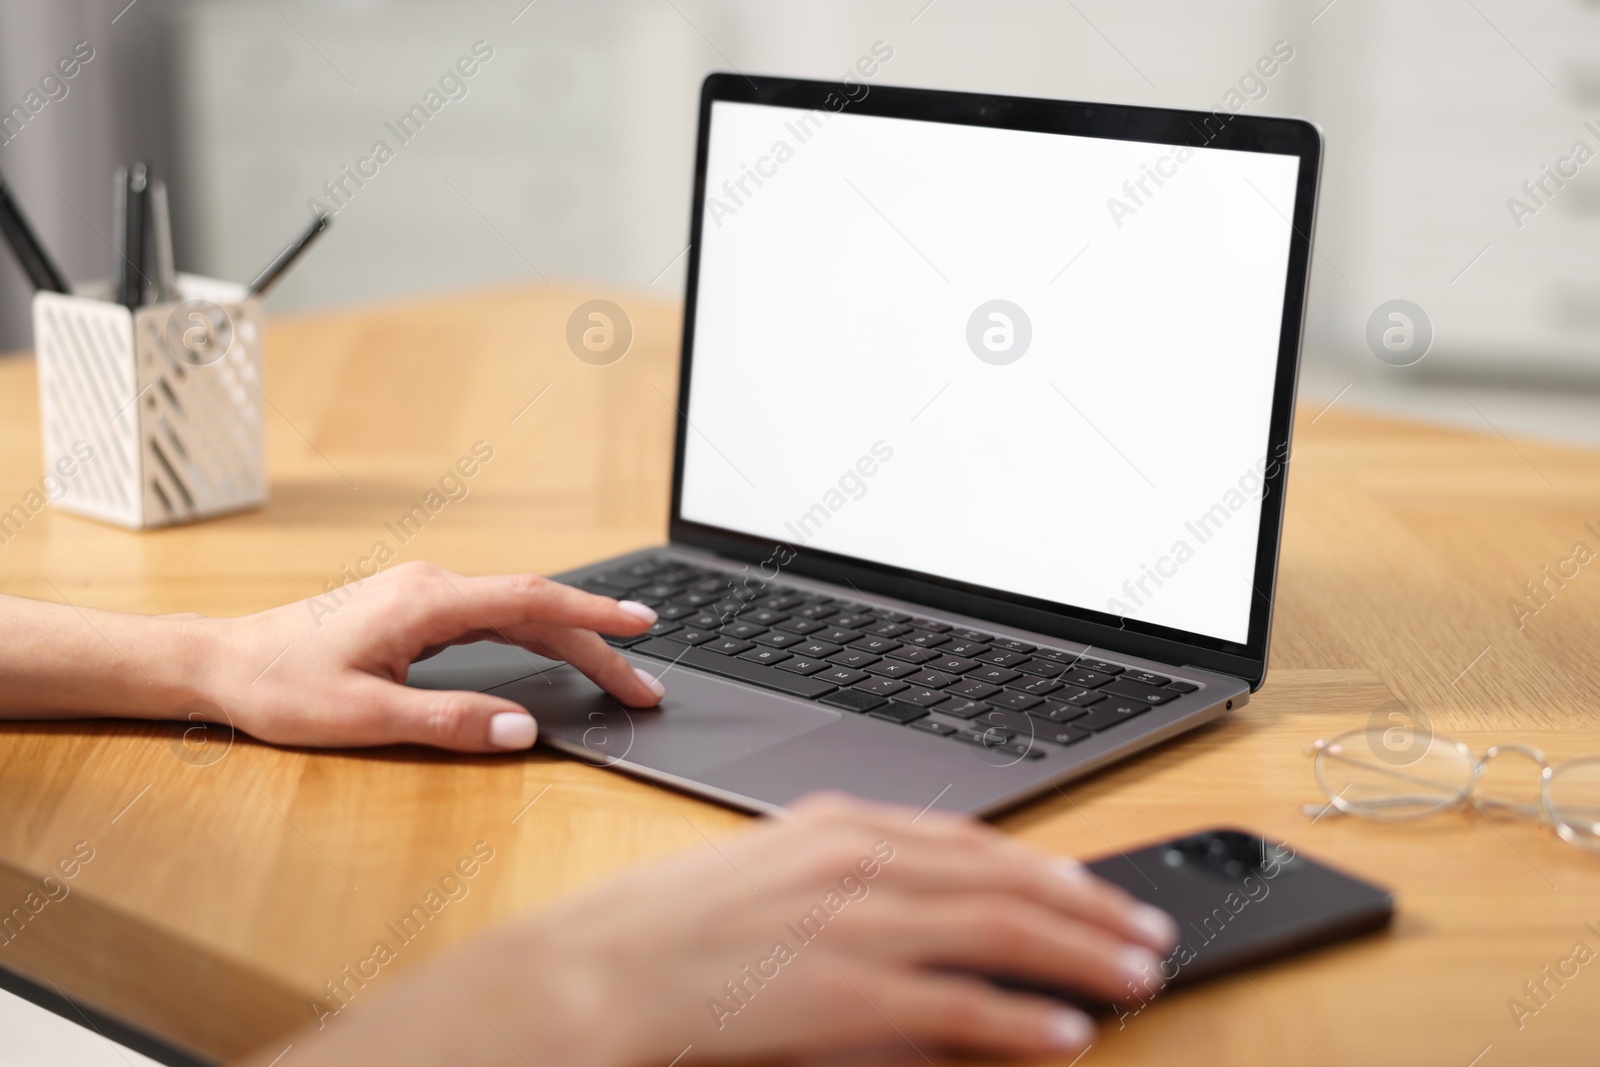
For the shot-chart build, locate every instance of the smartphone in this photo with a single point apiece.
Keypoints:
(1238, 899)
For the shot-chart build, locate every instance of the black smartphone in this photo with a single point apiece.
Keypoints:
(1238, 899)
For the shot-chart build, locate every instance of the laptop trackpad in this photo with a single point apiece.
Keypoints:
(703, 722)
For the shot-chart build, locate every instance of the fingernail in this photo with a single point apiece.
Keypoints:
(652, 681)
(639, 611)
(1138, 965)
(1071, 869)
(1070, 1029)
(512, 729)
(1154, 925)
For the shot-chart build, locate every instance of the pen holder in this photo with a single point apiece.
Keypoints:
(153, 417)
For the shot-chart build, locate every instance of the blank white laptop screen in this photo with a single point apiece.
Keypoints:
(1038, 363)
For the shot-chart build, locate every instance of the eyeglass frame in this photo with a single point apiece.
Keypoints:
(1543, 813)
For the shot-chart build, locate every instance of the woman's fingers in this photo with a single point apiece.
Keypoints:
(998, 934)
(955, 854)
(507, 601)
(461, 721)
(956, 1011)
(605, 666)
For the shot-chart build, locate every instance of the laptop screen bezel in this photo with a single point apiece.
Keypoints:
(1196, 129)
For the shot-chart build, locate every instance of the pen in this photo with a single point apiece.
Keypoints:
(119, 233)
(30, 253)
(161, 235)
(283, 260)
(133, 280)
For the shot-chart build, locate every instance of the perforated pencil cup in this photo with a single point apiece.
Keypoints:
(153, 417)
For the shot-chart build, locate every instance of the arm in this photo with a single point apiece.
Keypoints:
(303, 676)
(900, 913)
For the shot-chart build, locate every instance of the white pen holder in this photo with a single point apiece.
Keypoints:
(153, 417)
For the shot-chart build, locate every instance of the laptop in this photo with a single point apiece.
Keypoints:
(983, 429)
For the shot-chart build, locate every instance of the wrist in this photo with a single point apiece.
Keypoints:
(568, 1007)
(169, 660)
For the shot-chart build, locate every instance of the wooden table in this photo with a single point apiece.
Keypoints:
(223, 895)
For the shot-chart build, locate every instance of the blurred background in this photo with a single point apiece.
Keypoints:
(1454, 174)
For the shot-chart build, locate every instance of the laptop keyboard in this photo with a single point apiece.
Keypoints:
(967, 685)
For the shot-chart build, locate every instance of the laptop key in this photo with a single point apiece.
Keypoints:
(993, 675)
(733, 667)
(839, 635)
(930, 624)
(853, 658)
(1086, 679)
(854, 619)
(895, 711)
(728, 646)
(1083, 698)
(696, 600)
(1063, 735)
(818, 611)
(1022, 749)
(1057, 712)
(841, 676)
(951, 664)
(803, 665)
(1055, 655)
(1015, 700)
(933, 679)
(692, 637)
(912, 654)
(770, 656)
(1182, 687)
(924, 639)
(1014, 721)
(893, 668)
(922, 698)
(964, 648)
(763, 617)
(962, 709)
(1121, 687)
(675, 611)
(972, 689)
(1002, 658)
(943, 729)
(1041, 668)
(777, 639)
(1145, 677)
(798, 625)
(887, 628)
(743, 629)
(662, 627)
(1038, 686)
(883, 687)
(816, 649)
(782, 602)
(1111, 713)
(1100, 665)
(878, 646)
(971, 635)
(1014, 646)
(625, 642)
(852, 700)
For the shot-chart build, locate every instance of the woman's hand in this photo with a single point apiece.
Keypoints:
(325, 671)
(330, 670)
(849, 925)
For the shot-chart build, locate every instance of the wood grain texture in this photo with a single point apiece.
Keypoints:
(223, 895)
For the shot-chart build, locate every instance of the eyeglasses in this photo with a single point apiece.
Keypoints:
(1407, 772)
